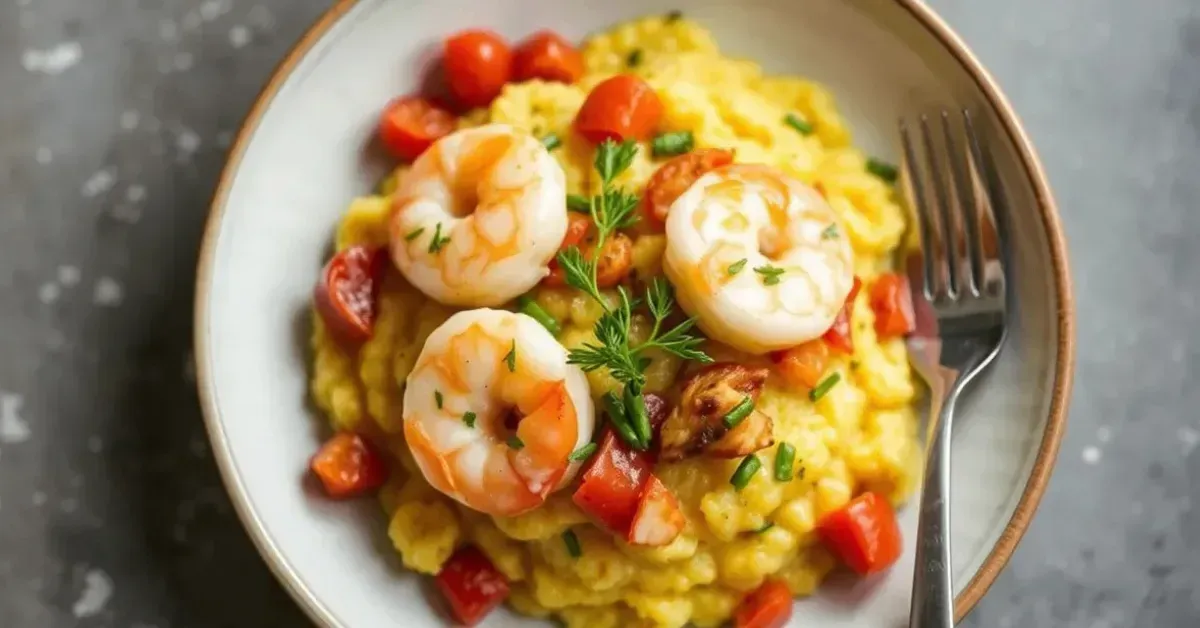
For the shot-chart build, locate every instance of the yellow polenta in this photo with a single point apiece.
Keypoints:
(861, 436)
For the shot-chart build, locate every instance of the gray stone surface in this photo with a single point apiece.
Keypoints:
(114, 116)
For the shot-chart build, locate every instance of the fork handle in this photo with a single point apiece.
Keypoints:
(933, 591)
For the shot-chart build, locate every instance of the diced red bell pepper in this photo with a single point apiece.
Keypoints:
(471, 585)
(349, 466)
(611, 487)
(768, 606)
(346, 294)
(892, 302)
(802, 365)
(659, 519)
(864, 534)
(838, 335)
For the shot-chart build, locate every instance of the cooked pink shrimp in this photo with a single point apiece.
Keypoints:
(492, 411)
(479, 216)
(759, 258)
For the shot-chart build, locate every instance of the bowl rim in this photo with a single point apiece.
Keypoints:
(1052, 435)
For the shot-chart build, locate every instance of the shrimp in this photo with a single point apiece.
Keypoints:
(492, 411)
(479, 216)
(759, 258)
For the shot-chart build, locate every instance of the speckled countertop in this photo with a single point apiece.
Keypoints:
(114, 118)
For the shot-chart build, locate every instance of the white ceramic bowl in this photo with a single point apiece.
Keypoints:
(300, 158)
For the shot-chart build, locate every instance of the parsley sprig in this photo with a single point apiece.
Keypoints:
(613, 209)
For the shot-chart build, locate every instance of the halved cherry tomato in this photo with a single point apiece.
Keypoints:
(892, 303)
(546, 55)
(768, 606)
(613, 263)
(863, 533)
(620, 108)
(578, 226)
(802, 365)
(348, 466)
(347, 292)
(410, 124)
(658, 519)
(673, 178)
(611, 487)
(471, 585)
(838, 336)
(478, 63)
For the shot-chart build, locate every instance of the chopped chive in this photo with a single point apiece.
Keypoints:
(618, 421)
(515, 442)
(739, 413)
(635, 408)
(674, 16)
(572, 543)
(437, 398)
(800, 124)
(671, 144)
(737, 266)
(414, 234)
(745, 472)
(635, 58)
(785, 458)
(578, 203)
(583, 453)
(770, 274)
(530, 308)
(551, 141)
(511, 358)
(823, 388)
(882, 169)
(438, 242)
(469, 419)
(763, 528)
(830, 232)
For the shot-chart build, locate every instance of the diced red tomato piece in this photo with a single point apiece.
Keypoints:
(577, 229)
(349, 466)
(478, 63)
(611, 487)
(802, 365)
(892, 302)
(768, 606)
(658, 519)
(346, 295)
(864, 534)
(838, 336)
(620, 108)
(411, 124)
(546, 55)
(471, 585)
(673, 178)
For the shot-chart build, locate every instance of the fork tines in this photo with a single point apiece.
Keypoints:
(948, 183)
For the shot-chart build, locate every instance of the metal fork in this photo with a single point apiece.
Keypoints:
(959, 297)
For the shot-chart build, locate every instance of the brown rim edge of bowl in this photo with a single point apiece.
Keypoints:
(1043, 465)
(1047, 454)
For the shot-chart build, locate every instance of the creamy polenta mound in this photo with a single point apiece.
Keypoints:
(861, 436)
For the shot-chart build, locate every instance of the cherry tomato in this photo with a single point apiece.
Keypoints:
(547, 56)
(410, 124)
(478, 63)
(658, 519)
(578, 226)
(863, 533)
(346, 295)
(768, 606)
(348, 466)
(620, 108)
(892, 302)
(611, 487)
(802, 366)
(673, 178)
(838, 335)
(471, 585)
